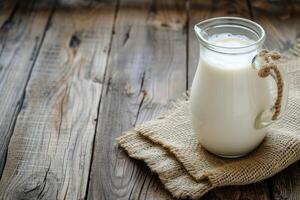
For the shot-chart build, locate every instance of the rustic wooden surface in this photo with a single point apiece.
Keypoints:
(75, 74)
(21, 34)
(144, 74)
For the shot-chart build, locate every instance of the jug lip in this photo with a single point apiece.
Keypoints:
(232, 21)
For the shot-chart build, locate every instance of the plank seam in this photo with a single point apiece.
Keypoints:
(187, 12)
(21, 101)
(116, 10)
(270, 186)
(143, 184)
(144, 93)
(150, 181)
(6, 24)
(250, 9)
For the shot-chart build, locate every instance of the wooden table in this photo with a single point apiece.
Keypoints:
(73, 78)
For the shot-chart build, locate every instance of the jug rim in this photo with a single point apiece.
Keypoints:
(234, 21)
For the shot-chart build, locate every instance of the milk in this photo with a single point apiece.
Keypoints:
(226, 97)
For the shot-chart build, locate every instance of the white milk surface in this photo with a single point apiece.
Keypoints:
(227, 95)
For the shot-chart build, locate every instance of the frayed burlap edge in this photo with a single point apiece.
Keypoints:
(147, 131)
(171, 172)
(219, 176)
(137, 142)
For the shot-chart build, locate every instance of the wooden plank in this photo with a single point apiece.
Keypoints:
(82, 3)
(282, 31)
(283, 34)
(44, 4)
(7, 11)
(7, 5)
(21, 33)
(253, 191)
(166, 80)
(50, 151)
(146, 70)
(286, 184)
(201, 10)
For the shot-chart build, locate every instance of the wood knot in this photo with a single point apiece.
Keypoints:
(74, 41)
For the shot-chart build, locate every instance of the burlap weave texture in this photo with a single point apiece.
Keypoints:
(171, 150)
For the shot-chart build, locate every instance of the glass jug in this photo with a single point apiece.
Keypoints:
(231, 105)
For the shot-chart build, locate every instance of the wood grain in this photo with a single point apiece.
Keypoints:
(50, 151)
(86, 77)
(283, 34)
(147, 69)
(198, 11)
(21, 33)
(7, 11)
(7, 5)
(165, 81)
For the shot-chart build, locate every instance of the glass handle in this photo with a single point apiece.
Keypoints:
(264, 62)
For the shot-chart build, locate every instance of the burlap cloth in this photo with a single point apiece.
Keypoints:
(169, 147)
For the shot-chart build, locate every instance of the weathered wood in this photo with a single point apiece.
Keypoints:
(50, 151)
(198, 11)
(165, 81)
(7, 11)
(280, 9)
(82, 3)
(253, 191)
(7, 5)
(21, 33)
(283, 33)
(51, 148)
(147, 69)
